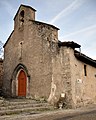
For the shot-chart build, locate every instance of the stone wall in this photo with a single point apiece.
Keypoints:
(30, 45)
(61, 77)
(1, 73)
(83, 87)
(40, 43)
(51, 70)
(68, 77)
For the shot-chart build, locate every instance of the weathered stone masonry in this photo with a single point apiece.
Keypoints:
(38, 38)
(1, 73)
(38, 65)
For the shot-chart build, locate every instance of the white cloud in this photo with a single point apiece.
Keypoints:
(79, 31)
(9, 8)
(90, 17)
(69, 9)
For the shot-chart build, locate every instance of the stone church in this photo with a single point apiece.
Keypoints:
(37, 65)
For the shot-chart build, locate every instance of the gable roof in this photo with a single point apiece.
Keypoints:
(24, 6)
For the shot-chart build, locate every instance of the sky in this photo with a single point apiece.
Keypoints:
(76, 20)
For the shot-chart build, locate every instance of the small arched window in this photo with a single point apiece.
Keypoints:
(22, 16)
(22, 13)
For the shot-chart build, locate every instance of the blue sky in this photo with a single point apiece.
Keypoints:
(75, 18)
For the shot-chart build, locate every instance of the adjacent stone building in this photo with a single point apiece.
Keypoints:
(38, 65)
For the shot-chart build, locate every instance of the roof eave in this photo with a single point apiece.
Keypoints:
(85, 58)
(38, 22)
(69, 44)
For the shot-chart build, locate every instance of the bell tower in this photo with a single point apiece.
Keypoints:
(23, 15)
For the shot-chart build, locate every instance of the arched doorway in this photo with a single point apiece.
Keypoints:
(22, 83)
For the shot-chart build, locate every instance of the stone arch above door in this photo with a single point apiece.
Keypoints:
(14, 80)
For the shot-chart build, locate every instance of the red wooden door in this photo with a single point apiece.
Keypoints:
(22, 83)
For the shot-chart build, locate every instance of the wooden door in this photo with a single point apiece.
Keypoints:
(22, 83)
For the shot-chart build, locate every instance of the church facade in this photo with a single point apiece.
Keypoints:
(38, 65)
